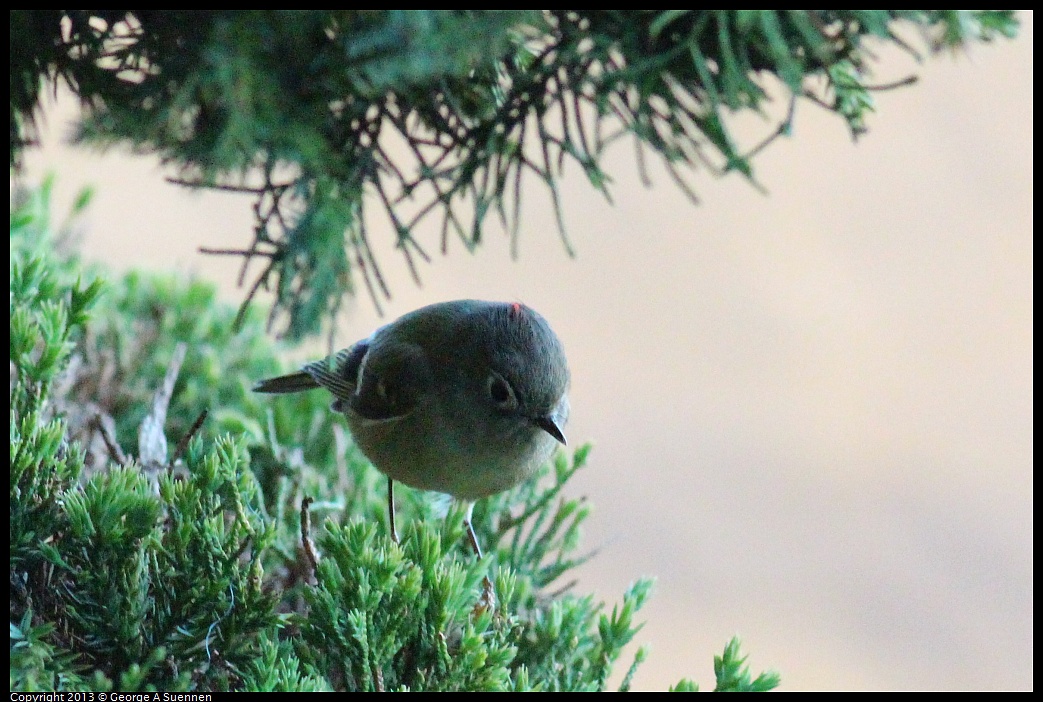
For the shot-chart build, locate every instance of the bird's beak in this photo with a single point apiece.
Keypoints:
(550, 425)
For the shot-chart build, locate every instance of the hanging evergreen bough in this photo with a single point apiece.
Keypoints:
(336, 120)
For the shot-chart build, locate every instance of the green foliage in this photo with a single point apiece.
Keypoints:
(389, 617)
(120, 579)
(166, 595)
(44, 313)
(326, 116)
(277, 669)
(733, 675)
(36, 665)
(187, 572)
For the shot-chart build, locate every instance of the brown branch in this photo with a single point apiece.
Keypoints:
(306, 543)
(111, 445)
(183, 444)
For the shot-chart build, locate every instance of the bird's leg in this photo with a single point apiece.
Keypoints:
(470, 530)
(391, 509)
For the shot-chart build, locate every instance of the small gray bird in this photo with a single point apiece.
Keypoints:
(466, 397)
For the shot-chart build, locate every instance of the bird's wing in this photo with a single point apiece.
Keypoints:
(340, 372)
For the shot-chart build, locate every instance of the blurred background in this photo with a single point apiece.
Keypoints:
(811, 407)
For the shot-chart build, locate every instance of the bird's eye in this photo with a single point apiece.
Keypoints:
(501, 392)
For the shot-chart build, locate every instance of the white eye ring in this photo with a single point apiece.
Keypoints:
(501, 392)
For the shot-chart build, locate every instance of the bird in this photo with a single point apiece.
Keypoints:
(466, 397)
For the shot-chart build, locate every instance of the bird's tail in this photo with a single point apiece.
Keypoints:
(295, 382)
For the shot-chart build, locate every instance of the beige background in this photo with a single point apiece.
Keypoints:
(812, 409)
